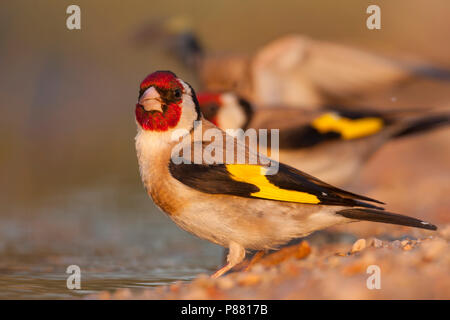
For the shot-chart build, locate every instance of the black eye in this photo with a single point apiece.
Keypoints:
(177, 93)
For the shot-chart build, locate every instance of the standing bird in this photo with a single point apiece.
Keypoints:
(236, 205)
(332, 143)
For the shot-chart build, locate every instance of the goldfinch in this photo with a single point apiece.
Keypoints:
(236, 205)
(332, 143)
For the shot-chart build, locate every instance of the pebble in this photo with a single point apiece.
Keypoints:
(377, 243)
(225, 283)
(175, 287)
(359, 245)
(407, 247)
(396, 244)
(123, 293)
(258, 268)
(104, 295)
(203, 281)
(250, 280)
(324, 268)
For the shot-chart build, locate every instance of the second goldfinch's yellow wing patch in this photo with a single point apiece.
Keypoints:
(257, 176)
(346, 127)
(333, 125)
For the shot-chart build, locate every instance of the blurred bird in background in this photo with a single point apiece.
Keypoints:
(332, 143)
(293, 70)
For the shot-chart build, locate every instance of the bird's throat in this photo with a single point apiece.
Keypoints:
(158, 121)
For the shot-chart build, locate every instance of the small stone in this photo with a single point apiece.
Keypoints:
(175, 287)
(259, 268)
(250, 280)
(203, 281)
(396, 244)
(407, 247)
(404, 242)
(104, 295)
(290, 268)
(359, 245)
(334, 261)
(341, 254)
(225, 283)
(377, 243)
(122, 294)
(299, 251)
(196, 293)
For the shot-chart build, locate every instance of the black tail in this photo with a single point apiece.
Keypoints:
(425, 70)
(432, 72)
(385, 217)
(424, 124)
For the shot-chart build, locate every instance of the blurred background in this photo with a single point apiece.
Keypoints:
(70, 188)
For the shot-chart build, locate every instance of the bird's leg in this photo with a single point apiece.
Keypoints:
(224, 255)
(235, 255)
(257, 257)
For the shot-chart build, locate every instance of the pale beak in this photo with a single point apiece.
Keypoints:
(151, 100)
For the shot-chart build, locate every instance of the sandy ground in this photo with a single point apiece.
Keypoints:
(408, 269)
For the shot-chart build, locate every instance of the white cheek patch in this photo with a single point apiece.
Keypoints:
(188, 110)
(230, 114)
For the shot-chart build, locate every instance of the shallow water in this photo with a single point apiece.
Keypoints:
(114, 246)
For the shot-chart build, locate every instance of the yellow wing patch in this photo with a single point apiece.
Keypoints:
(348, 128)
(256, 175)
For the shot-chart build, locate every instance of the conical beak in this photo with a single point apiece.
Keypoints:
(151, 100)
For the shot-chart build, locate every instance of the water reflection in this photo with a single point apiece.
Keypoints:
(115, 247)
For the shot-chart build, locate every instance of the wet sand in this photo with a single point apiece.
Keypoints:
(409, 269)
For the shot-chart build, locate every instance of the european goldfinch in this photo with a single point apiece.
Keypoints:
(236, 205)
(332, 143)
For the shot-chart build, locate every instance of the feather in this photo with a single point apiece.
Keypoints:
(385, 217)
(251, 181)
